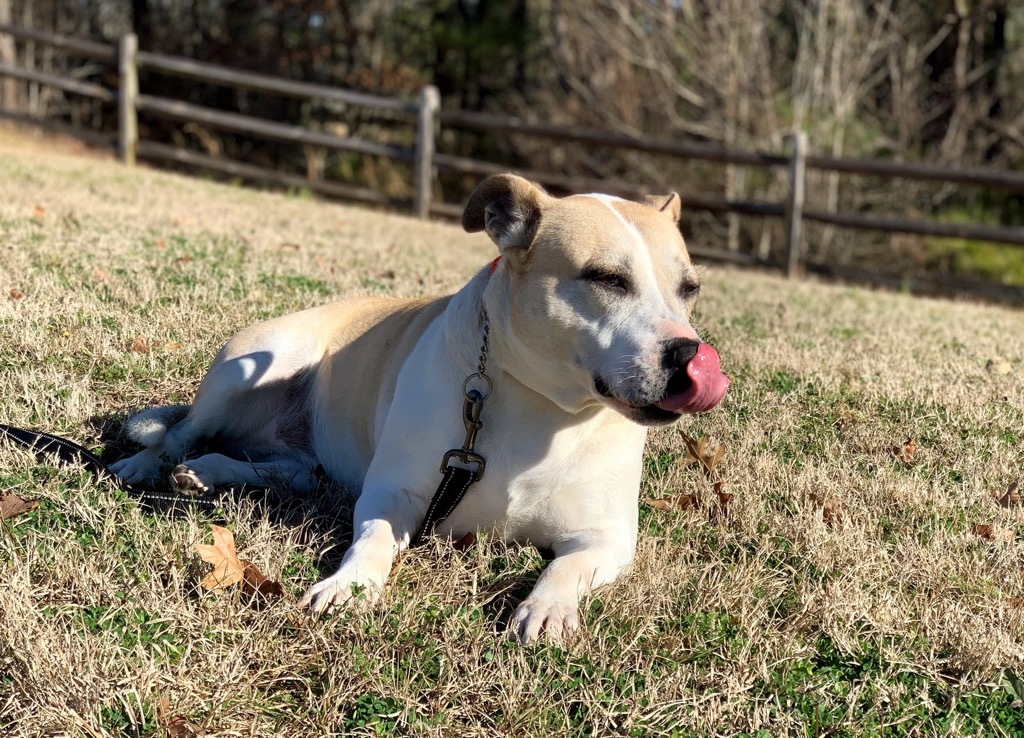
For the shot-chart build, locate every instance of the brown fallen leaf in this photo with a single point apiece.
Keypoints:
(173, 346)
(906, 451)
(1010, 498)
(289, 245)
(16, 294)
(185, 259)
(11, 505)
(466, 542)
(139, 346)
(177, 726)
(181, 727)
(701, 450)
(256, 582)
(227, 569)
(831, 509)
(993, 532)
(724, 498)
(832, 512)
(160, 244)
(101, 274)
(717, 456)
(38, 212)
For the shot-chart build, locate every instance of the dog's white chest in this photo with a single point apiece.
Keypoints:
(543, 479)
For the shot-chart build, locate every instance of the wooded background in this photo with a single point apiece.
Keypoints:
(939, 82)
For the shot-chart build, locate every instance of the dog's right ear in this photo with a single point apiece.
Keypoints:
(508, 207)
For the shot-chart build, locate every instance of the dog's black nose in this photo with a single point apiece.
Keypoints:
(678, 352)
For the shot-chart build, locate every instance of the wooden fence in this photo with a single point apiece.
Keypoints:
(426, 116)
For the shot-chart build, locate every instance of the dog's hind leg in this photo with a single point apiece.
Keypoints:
(205, 472)
(147, 428)
(256, 379)
(168, 447)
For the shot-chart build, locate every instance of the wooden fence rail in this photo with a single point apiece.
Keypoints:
(425, 116)
(99, 92)
(227, 76)
(77, 46)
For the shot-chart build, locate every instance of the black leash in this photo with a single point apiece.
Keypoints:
(455, 481)
(46, 445)
(454, 485)
(69, 452)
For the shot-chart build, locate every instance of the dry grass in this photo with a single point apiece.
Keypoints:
(890, 616)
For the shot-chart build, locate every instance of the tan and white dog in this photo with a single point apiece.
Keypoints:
(590, 342)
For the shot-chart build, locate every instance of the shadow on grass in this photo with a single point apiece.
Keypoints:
(506, 594)
(324, 514)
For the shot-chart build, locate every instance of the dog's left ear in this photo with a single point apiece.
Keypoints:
(508, 207)
(669, 204)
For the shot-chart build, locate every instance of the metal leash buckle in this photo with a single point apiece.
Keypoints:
(472, 406)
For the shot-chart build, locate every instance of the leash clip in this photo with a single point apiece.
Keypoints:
(472, 406)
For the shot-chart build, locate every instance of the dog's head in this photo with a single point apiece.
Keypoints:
(594, 300)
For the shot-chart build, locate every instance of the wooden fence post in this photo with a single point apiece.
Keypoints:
(127, 116)
(430, 104)
(8, 86)
(795, 200)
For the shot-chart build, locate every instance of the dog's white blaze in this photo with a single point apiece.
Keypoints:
(635, 335)
(607, 201)
(641, 256)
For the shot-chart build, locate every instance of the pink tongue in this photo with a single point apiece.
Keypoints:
(709, 384)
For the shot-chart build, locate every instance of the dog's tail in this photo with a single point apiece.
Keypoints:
(147, 428)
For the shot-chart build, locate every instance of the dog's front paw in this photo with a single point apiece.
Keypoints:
(340, 590)
(536, 619)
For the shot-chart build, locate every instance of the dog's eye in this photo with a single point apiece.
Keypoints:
(607, 279)
(689, 290)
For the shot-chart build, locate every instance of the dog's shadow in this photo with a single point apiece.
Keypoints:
(504, 595)
(324, 515)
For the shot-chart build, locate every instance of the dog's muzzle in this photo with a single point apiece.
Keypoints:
(695, 382)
